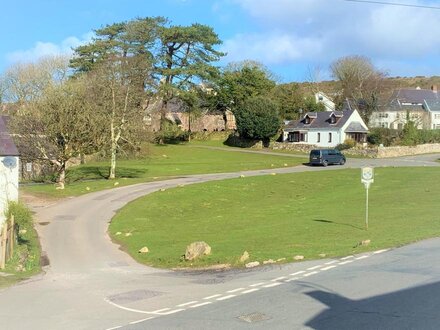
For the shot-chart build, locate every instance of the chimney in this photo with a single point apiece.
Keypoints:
(434, 88)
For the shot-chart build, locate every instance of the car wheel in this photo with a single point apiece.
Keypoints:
(325, 163)
(342, 162)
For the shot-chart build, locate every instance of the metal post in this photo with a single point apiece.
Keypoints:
(366, 208)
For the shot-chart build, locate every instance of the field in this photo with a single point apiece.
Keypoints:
(311, 214)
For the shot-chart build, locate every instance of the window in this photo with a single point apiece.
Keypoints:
(383, 115)
(329, 137)
(383, 125)
(332, 120)
(307, 120)
(437, 116)
(319, 138)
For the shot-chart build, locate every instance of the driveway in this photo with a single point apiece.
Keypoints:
(91, 284)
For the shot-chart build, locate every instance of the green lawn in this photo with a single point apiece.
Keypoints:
(282, 216)
(163, 162)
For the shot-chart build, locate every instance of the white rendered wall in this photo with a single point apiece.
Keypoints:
(8, 187)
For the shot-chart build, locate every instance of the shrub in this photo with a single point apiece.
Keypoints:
(22, 215)
(348, 144)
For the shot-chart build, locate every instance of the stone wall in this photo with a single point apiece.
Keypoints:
(387, 152)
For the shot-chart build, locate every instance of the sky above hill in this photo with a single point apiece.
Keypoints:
(295, 39)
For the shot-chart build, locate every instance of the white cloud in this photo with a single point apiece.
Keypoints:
(322, 30)
(42, 49)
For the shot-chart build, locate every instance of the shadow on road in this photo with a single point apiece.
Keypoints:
(413, 308)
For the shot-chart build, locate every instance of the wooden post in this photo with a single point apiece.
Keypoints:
(3, 254)
(11, 242)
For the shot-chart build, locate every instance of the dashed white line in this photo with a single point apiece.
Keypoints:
(297, 273)
(328, 267)
(161, 310)
(173, 311)
(279, 278)
(272, 285)
(201, 304)
(114, 328)
(139, 321)
(226, 297)
(291, 279)
(250, 290)
(257, 284)
(235, 290)
(188, 303)
(347, 257)
(331, 262)
(380, 251)
(126, 308)
(362, 257)
(310, 274)
(213, 296)
(345, 262)
(314, 267)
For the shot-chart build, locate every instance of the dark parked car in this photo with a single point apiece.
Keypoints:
(326, 156)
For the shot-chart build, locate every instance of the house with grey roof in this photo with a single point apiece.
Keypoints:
(421, 106)
(326, 129)
(8, 169)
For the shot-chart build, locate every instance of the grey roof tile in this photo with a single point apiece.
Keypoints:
(322, 120)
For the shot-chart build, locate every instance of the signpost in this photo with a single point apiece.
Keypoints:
(367, 178)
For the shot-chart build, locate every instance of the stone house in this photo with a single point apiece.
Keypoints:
(9, 164)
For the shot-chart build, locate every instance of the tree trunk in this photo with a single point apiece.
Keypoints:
(113, 160)
(62, 175)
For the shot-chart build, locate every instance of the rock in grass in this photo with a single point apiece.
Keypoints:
(267, 262)
(365, 242)
(322, 255)
(118, 233)
(22, 231)
(281, 259)
(298, 258)
(144, 250)
(252, 264)
(196, 250)
(128, 234)
(241, 176)
(244, 257)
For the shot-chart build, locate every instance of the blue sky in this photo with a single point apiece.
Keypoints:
(295, 39)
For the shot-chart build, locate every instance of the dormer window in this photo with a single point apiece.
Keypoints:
(307, 120)
(332, 120)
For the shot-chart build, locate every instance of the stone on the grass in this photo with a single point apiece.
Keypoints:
(196, 250)
(22, 231)
(273, 174)
(244, 257)
(285, 165)
(118, 233)
(252, 264)
(365, 242)
(298, 257)
(128, 234)
(267, 262)
(241, 176)
(281, 259)
(322, 255)
(162, 189)
(116, 183)
(144, 250)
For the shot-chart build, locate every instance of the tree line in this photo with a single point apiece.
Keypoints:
(96, 100)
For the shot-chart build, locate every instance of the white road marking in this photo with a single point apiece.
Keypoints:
(314, 267)
(173, 311)
(345, 262)
(380, 251)
(226, 297)
(291, 279)
(139, 321)
(250, 290)
(331, 262)
(272, 285)
(201, 304)
(310, 274)
(161, 310)
(347, 257)
(188, 303)
(114, 328)
(235, 290)
(257, 284)
(362, 257)
(297, 273)
(213, 296)
(328, 267)
(126, 308)
(279, 278)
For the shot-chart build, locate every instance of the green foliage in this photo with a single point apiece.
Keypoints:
(348, 144)
(310, 105)
(258, 118)
(22, 215)
(410, 135)
(384, 136)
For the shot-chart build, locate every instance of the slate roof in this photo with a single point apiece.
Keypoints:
(356, 127)
(414, 95)
(7, 146)
(322, 120)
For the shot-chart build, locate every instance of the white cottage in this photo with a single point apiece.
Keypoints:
(8, 169)
(326, 129)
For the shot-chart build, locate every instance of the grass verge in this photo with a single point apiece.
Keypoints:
(25, 261)
(163, 162)
(281, 216)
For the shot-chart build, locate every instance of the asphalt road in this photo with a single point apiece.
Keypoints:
(91, 284)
